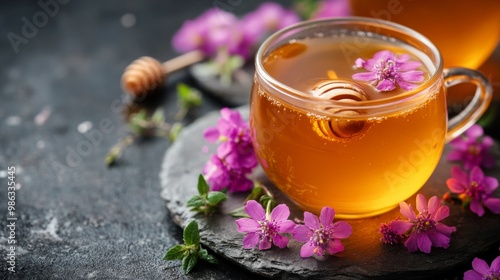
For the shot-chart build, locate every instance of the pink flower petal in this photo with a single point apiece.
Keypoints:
(441, 213)
(407, 211)
(460, 175)
(341, 230)
(438, 239)
(455, 186)
(493, 204)
(265, 244)
(359, 63)
(433, 204)
(424, 242)
(412, 76)
(302, 233)
(247, 225)
(421, 203)
(280, 241)
(480, 266)
(495, 264)
(444, 229)
(476, 207)
(490, 184)
(280, 213)
(386, 85)
(400, 227)
(307, 250)
(410, 65)
(476, 174)
(474, 132)
(472, 275)
(326, 216)
(250, 240)
(405, 85)
(311, 220)
(455, 155)
(255, 210)
(411, 243)
(286, 226)
(211, 134)
(365, 76)
(335, 246)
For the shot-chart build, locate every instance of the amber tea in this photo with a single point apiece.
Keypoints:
(325, 138)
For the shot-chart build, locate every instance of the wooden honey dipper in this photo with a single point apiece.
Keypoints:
(340, 128)
(146, 73)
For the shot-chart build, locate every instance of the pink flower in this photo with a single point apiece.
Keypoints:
(389, 236)
(481, 270)
(332, 8)
(265, 228)
(424, 228)
(386, 70)
(475, 189)
(321, 235)
(235, 157)
(473, 148)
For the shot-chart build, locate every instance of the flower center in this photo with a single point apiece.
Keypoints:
(268, 229)
(386, 69)
(473, 150)
(320, 238)
(475, 190)
(425, 222)
(492, 276)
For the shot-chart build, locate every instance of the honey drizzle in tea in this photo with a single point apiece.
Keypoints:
(388, 162)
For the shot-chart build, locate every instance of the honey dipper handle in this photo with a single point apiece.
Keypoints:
(182, 61)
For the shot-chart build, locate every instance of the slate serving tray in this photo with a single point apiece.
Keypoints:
(364, 256)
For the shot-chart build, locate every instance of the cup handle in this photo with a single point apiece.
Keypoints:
(476, 107)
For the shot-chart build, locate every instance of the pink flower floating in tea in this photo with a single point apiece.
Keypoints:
(265, 228)
(473, 148)
(386, 70)
(235, 157)
(475, 189)
(321, 235)
(481, 270)
(424, 229)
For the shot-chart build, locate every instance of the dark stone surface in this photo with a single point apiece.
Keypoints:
(364, 255)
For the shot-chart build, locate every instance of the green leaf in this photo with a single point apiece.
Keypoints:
(239, 212)
(175, 253)
(257, 192)
(216, 197)
(195, 201)
(158, 117)
(203, 254)
(192, 234)
(175, 130)
(203, 187)
(188, 262)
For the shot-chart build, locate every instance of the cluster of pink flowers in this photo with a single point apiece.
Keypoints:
(216, 29)
(473, 150)
(235, 157)
(320, 236)
(421, 231)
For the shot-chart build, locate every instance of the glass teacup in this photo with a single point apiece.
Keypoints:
(327, 139)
